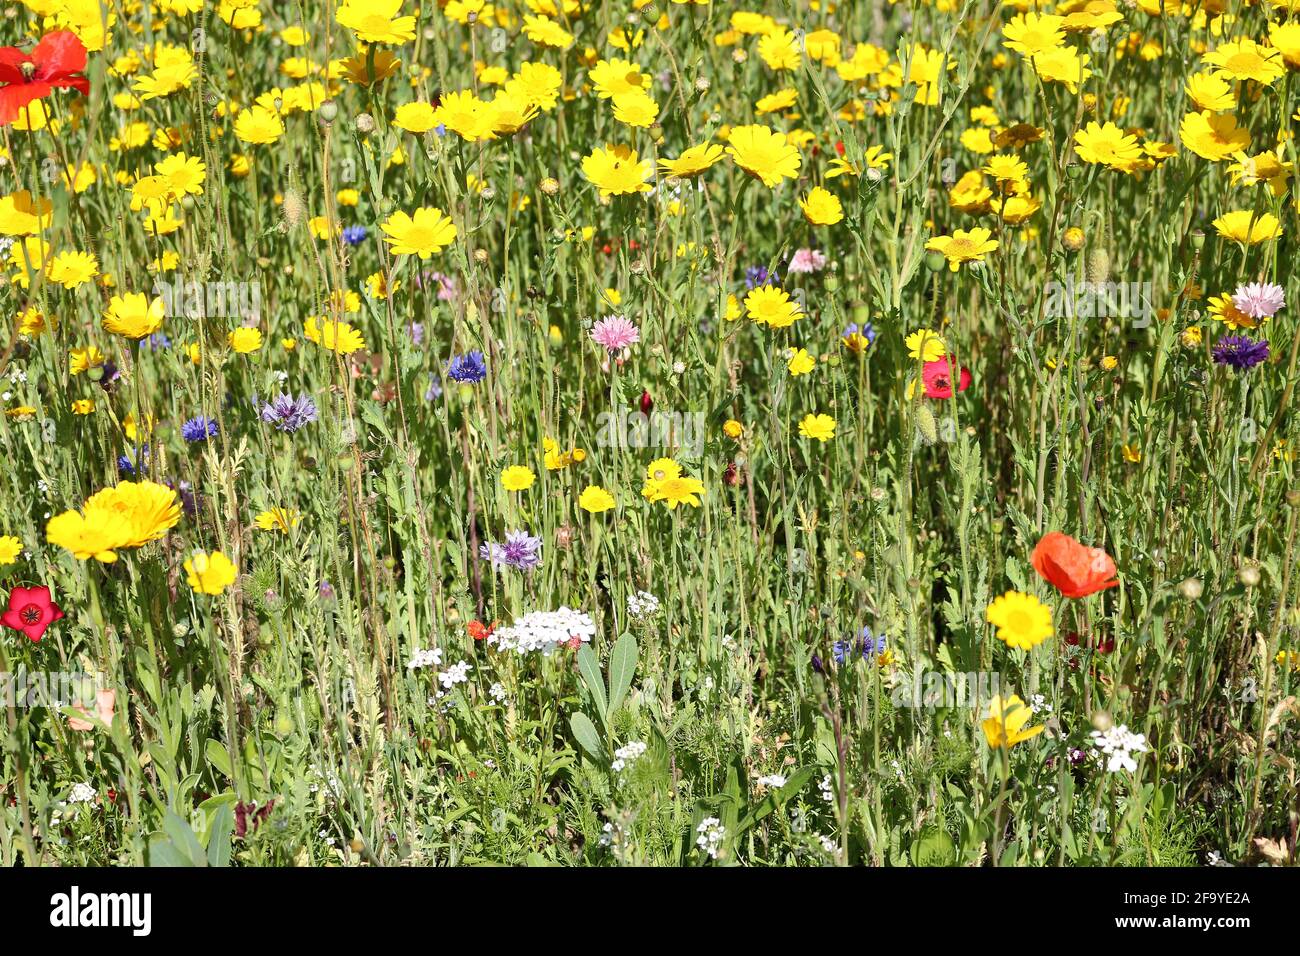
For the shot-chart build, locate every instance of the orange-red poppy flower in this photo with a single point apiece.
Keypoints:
(59, 60)
(1074, 569)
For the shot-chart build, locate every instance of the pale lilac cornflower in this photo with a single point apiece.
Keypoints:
(807, 260)
(615, 333)
(1259, 300)
(289, 414)
(520, 550)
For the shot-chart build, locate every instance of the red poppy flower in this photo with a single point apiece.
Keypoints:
(31, 611)
(1074, 569)
(937, 376)
(480, 631)
(54, 62)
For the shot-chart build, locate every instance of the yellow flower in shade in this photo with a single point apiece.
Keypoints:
(244, 340)
(1244, 226)
(676, 491)
(1108, 145)
(376, 21)
(32, 322)
(595, 499)
(692, 161)
(517, 478)
(1210, 92)
(1244, 59)
(1213, 136)
(800, 362)
(617, 171)
(772, 306)
(1022, 620)
(819, 426)
(20, 215)
(415, 117)
(210, 573)
(1030, 33)
(283, 520)
(79, 360)
(337, 336)
(763, 153)
(83, 406)
(822, 207)
(10, 549)
(133, 315)
(258, 126)
(1132, 454)
(1005, 724)
(963, 246)
(422, 233)
(733, 429)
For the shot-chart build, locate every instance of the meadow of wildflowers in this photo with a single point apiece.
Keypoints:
(649, 432)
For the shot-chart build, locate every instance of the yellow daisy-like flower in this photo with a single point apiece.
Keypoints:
(422, 233)
(283, 520)
(763, 153)
(822, 207)
(692, 161)
(258, 126)
(415, 117)
(819, 426)
(1005, 724)
(376, 21)
(1213, 136)
(1244, 59)
(1022, 620)
(800, 362)
(1108, 145)
(963, 246)
(335, 335)
(1030, 33)
(83, 406)
(617, 171)
(925, 346)
(1244, 226)
(595, 499)
(772, 306)
(677, 491)
(133, 315)
(517, 478)
(10, 549)
(210, 573)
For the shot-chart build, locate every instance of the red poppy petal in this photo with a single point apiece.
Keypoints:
(59, 55)
(14, 98)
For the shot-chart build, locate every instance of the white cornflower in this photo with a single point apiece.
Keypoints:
(711, 834)
(497, 693)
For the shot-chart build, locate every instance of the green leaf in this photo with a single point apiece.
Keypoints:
(218, 756)
(219, 830)
(584, 731)
(589, 667)
(622, 666)
(934, 848)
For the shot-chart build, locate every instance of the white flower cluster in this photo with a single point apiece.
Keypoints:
(642, 604)
(772, 780)
(711, 834)
(626, 755)
(827, 791)
(424, 657)
(81, 793)
(1117, 746)
(545, 631)
(455, 674)
(497, 693)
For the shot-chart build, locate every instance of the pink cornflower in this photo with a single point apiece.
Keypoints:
(615, 333)
(1259, 300)
(807, 260)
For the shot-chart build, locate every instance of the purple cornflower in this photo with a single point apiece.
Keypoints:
(417, 333)
(105, 374)
(866, 331)
(159, 341)
(1240, 352)
(615, 333)
(867, 644)
(1259, 300)
(434, 391)
(521, 550)
(133, 461)
(756, 276)
(199, 428)
(354, 235)
(468, 369)
(289, 414)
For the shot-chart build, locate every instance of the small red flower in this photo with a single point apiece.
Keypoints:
(937, 376)
(647, 403)
(480, 631)
(31, 611)
(839, 147)
(54, 62)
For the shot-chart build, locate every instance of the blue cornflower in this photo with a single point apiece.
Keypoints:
(469, 368)
(355, 235)
(756, 276)
(199, 428)
(133, 461)
(287, 413)
(159, 341)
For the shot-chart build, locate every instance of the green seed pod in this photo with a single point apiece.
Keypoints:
(925, 425)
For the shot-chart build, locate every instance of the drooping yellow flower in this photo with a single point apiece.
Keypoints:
(1005, 724)
(210, 573)
(133, 315)
(763, 153)
(1022, 620)
(422, 233)
(283, 520)
(692, 161)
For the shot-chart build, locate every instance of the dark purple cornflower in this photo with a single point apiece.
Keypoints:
(133, 461)
(326, 591)
(190, 499)
(468, 369)
(521, 550)
(105, 375)
(289, 414)
(1240, 352)
(817, 665)
(199, 428)
(756, 276)
(354, 235)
